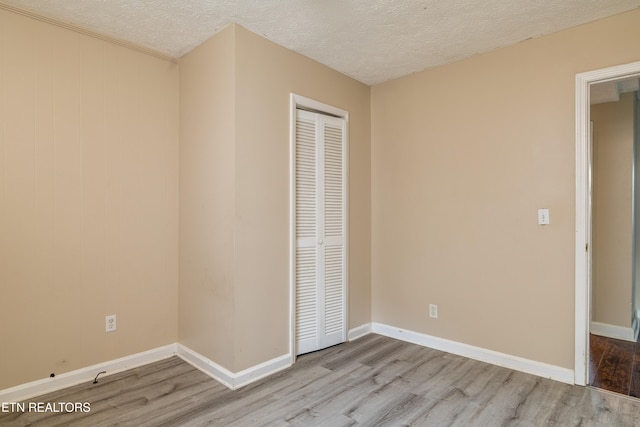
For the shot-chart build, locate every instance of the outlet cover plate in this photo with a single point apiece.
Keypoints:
(110, 323)
(433, 311)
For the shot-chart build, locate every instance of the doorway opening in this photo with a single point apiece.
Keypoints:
(613, 364)
(584, 206)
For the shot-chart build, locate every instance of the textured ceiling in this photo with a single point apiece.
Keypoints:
(369, 40)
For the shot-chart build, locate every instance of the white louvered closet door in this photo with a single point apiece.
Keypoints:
(320, 210)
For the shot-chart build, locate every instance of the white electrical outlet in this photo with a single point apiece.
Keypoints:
(433, 311)
(110, 322)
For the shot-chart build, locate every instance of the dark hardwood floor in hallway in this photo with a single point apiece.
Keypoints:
(372, 381)
(614, 365)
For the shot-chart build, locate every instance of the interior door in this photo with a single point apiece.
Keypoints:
(320, 211)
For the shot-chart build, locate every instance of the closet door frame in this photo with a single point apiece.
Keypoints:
(301, 102)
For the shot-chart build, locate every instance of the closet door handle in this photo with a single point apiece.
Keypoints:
(319, 241)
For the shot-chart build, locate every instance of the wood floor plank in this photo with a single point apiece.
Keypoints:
(597, 347)
(634, 387)
(256, 398)
(309, 394)
(614, 370)
(373, 381)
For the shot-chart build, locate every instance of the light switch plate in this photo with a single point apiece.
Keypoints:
(543, 216)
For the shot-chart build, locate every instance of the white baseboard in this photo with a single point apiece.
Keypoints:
(612, 331)
(540, 369)
(236, 380)
(68, 379)
(228, 378)
(359, 332)
(209, 367)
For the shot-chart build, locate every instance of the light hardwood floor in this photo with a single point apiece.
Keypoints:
(374, 380)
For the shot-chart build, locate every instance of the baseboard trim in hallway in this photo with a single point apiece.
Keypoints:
(613, 331)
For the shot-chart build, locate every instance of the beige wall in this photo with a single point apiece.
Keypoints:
(88, 200)
(462, 157)
(207, 199)
(89, 197)
(266, 74)
(612, 211)
(248, 125)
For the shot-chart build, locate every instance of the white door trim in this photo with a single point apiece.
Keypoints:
(583, 213)
(295, 102)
